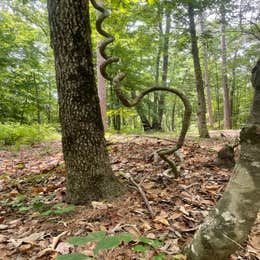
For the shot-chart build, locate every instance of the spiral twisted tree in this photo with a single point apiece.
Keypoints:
(116, 80)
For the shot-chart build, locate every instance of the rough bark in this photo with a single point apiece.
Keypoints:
(227, 115)
(201, 109)
(206, 74)
(89, 174)
(229, 224)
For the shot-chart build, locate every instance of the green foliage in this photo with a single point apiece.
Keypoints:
(92, 237)
(111, 242)
(20, 202)
(103, 242)
(107, 242)
(16, 134)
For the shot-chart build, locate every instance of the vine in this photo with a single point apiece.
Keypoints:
(163, 153)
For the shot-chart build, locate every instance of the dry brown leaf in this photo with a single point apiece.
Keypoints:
(145, 226)
(183, 210)
(99, 205)
(175, 215)
(255, 241)
(64, 248)
(161, 220)
(25, 248)
(3, 238)
(3, 226)
(133, 231)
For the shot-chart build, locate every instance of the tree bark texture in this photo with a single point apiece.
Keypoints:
(229, 224)
(227, 114)
(89, 174)
(201, 109)
(206, 74)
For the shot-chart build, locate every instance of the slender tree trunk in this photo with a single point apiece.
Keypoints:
(165, 66)
(37, 97)
(139, 109)
(155, 118)
(229, 224)
(173, 116)
(227, 118)
(217, 93)
(206, 74)
(201, 110)
(89, 174)
(101, 83)
(232, 92)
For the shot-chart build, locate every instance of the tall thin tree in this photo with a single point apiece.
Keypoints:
(201, 109)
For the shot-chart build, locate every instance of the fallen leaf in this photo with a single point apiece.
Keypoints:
(3, 227)
(25, 248)
(99, 205)
(64, 248)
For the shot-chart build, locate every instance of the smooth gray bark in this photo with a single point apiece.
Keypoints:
(229, 224)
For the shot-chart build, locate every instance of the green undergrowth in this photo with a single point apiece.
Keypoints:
(38, 203)
(16, 134)
(141, 246)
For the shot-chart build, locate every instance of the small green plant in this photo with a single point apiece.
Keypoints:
(103, 243)
(146, 244)
(107, 242)
(37, 204)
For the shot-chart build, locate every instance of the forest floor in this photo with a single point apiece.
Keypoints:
(34, 223)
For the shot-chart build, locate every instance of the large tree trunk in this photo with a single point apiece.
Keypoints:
(206, 73)
(201, 110)
(89, 174)
(229, 224)
(227, 118)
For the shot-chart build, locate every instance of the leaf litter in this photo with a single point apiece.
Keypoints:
(32, 193)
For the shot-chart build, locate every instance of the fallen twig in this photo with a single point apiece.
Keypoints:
(139, 188)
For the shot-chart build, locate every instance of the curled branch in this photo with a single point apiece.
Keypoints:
(163, 153)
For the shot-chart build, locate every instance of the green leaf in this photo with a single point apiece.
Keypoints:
(111, 242)
(92, 237)
(38, 205)
(58, 205)
(25, 208)
(75, 256)
(47, 213)
(65, 210)
(141, 248)
(151, 242)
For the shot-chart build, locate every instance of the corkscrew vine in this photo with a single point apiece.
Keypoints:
(109, 38)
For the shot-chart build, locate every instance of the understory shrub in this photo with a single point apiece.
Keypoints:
(16, 134)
